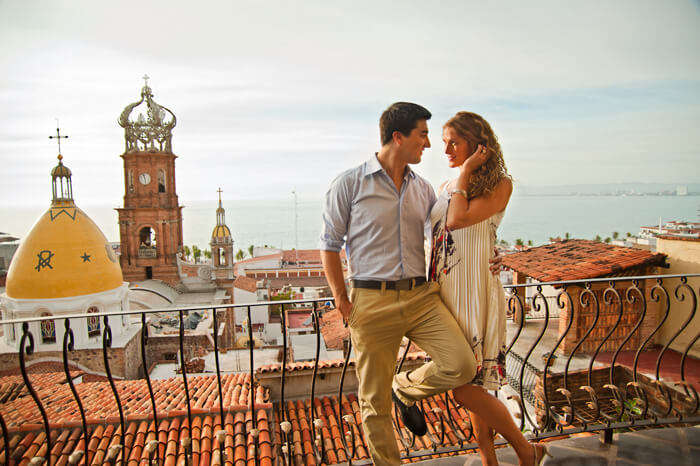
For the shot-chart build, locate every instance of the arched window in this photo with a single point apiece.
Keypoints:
(131, 181)
(93, 322)
(147, 242)
(222, 257)
(48, 329)
(161, 181)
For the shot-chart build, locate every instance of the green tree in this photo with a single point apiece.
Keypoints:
(608, 239)
(188, 252)
(207, 253)
(615, 234)
(529, 242)
(629, 235)
(519, 242)
(598, 238)
(567, 235)
(240, 255)
(196, 253)
(250, 250)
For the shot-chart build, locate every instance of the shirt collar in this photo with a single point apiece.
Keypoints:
(373, 166)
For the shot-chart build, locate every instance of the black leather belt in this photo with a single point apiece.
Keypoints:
(405, 284)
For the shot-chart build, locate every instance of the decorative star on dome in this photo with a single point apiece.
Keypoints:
(85, 257)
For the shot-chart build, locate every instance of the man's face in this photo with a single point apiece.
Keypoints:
(412, 145)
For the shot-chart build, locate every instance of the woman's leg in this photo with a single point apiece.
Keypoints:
(484, 437)
(494, 413)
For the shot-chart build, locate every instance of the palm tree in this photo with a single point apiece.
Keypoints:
(615, 234)
(240, 255)
(250, 250)
(519, 242)
(207, 253)
(629, 235)
(196, 252)
(567, 235)
(608, 239)
(187, 251)
(529, 242)
(598, 238)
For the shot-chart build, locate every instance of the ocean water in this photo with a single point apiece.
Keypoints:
(271, 222)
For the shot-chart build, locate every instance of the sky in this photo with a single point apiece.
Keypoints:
(275, 96)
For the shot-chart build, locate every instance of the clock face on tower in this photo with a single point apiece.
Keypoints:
(144, 178)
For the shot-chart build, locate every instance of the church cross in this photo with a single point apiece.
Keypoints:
(58, 136)
(145, 79)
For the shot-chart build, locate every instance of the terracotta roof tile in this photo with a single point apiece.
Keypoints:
(334, 330)
(577, 259)
(330, 436)
(325, 364)
(104, 441)
(169, 395)
(245, 283)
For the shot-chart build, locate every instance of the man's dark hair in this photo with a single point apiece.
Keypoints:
(402, 117)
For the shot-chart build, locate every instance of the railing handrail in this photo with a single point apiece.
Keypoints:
(139, 312)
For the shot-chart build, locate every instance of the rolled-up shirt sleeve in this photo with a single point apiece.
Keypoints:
(336, 215)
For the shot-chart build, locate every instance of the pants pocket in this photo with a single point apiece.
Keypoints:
(354, 298)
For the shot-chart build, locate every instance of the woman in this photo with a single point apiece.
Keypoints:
(465, 219)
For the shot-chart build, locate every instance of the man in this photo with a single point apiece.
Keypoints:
(380, 211)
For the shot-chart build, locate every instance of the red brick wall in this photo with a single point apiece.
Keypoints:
(584, 316)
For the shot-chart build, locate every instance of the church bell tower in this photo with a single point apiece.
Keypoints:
(150, 223)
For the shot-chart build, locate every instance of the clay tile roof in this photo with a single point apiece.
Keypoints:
(43, 367)
(12, 387)
(97, 399)
(245, 283)
(327, 364)
(577, 259)
(334, 429)
(104, 440)
(333, 330)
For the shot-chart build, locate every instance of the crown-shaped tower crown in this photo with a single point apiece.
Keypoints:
(147, 125)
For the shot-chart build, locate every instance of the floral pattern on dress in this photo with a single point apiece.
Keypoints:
(444, 257)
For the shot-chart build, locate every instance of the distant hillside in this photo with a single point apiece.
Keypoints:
(592, 189)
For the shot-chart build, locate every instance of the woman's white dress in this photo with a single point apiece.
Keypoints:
(460, 264)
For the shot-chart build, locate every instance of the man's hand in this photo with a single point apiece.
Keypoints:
(345, 307)
(495, 263)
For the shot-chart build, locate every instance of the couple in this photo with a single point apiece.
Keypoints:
(380, 212)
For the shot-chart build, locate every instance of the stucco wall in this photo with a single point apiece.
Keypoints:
(683, 257)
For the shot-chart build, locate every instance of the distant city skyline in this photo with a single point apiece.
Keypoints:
(280, 96)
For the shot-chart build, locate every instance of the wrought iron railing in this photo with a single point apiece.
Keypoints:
(596, 320)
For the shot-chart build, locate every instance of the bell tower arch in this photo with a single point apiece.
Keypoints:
(150, 222)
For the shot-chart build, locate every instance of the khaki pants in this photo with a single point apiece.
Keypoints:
(378, 322)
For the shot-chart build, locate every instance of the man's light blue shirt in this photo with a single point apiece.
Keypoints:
(383, 230)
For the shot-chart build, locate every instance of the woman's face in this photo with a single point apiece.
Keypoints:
(457, 148)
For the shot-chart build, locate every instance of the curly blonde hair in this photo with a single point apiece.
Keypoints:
(476, 130)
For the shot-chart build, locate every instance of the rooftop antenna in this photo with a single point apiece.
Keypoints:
(296, 229)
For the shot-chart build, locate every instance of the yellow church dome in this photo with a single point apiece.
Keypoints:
(221, 231)
(64, 255)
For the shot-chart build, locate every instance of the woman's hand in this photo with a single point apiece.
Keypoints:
(476, 160)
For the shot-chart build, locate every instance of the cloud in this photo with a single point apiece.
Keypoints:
(275, 95)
